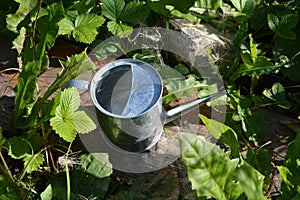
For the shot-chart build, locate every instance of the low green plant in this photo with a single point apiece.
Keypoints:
(263, 72)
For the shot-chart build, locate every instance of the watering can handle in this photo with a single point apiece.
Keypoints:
(185, 108)
(79, 84)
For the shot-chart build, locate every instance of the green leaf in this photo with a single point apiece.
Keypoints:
(283, 26)
(66, 26)
(209, 4)
(244, 6)
(251, 181)
(26, 86)
(92, 176)
(180, 88)
(277, 94)
(19, 41)
(117, 28)
(223, 133)
(135, 12)
(85, 29)
(47, 194)
(290, 173)
(83, 123)
(74, 65)
(209, 169)
(112, 9)
(33, 162)
(48, 29)
(261, 66)
(25, 7)
(63, 122)
(66, 122)
(17, 147)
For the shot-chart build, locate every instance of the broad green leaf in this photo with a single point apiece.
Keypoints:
(112, 9)
(277, 94)
(33, 162)
(83, 123)
(260, 160)
(67, 122)
(135, 12)
(223, 133)
(92, 176)
(64, 126)
(66, 26)
(17, 147)
(244, 6)
(63, 122)
(48, 29)
(26, 86)
(117, 28)
(209, 169)
(283, 26)
(26, 6)
(290, 173)
(251, 181)
(85, 28)
(47, 194)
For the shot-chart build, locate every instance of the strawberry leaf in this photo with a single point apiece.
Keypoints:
(66, 122)
(33, 162)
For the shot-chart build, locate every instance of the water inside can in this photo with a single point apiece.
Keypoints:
(129, 90)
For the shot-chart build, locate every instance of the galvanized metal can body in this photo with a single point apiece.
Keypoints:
(127, 96)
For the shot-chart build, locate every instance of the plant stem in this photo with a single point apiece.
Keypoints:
(5, 165)
(68, 174)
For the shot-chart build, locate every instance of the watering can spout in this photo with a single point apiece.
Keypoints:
(175, 113)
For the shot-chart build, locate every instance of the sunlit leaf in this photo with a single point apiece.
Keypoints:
(33, 162)
(223, 133)
(67, 122)
(25, 7)
(277, 94)
(290, 173)
(117, 28)
(251, 181)
(209, 168)
(244, 6)
(85, 28)
(26, 87)
(83, 123)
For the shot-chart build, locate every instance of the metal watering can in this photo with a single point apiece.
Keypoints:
(127, 95)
